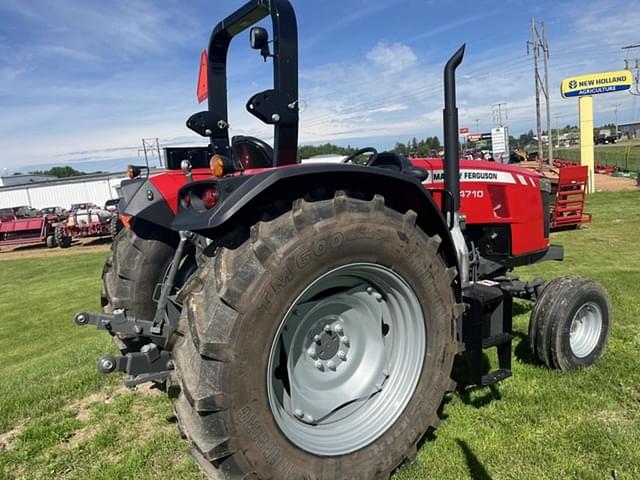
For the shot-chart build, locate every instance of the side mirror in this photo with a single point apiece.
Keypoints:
(259, 39)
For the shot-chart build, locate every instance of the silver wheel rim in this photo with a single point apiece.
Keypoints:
(346, 359)
(585, 330)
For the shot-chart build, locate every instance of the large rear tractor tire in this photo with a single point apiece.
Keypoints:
(320, 348)
(62, 239)
(570, 323)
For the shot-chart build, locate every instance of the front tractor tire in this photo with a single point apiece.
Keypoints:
(321, 347)
(570, 323)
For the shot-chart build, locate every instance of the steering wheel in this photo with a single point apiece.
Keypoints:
(371, 150)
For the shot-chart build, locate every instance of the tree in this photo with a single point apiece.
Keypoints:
(60, 172)
(421, 148)
(307, 151)
(401, 148)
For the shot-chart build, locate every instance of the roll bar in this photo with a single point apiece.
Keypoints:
(278, 106)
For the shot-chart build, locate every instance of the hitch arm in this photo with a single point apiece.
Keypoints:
(119, 322)
(149, 364)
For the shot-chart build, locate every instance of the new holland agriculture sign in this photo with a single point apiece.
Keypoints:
(595, 83)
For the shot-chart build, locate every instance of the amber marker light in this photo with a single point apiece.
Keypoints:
(216, 164)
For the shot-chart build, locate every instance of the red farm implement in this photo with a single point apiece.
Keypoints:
(568, 210)
(86, 221)
(19, 227)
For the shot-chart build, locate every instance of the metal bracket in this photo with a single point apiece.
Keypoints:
(149, 364)
(119, 322)
(160, 317)
(517, 288)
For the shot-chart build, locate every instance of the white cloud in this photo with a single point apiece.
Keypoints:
(397, 107)
(395, 56)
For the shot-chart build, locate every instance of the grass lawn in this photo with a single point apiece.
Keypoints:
(623, 154)
(60, 419)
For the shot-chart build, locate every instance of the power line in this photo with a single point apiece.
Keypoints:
(421, 93)
(365, 105)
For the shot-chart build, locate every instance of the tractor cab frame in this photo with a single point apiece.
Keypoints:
(277, 106)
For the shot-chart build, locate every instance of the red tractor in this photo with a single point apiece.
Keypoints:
(306, 318)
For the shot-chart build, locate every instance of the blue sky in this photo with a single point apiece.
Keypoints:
(81, 82)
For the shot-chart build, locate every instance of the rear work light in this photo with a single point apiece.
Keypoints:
(209, 197)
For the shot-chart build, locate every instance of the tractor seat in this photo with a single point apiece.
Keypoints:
(251, 152)
(398, 163)
(388, 160)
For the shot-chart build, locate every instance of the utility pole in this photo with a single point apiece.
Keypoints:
(636, 77)
(536, 44)
(557, 131)
(545, 48)
(477, 120)
(151, 145)
(498, 113)
(615, 113)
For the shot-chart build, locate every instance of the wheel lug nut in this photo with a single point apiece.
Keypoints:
(331, 365)
(317, 338)
(309, 419)
(338, 329)
(312, 352)
(342, 355)
(369, 290)
(298, 413)
(385, 372)
(345, 341)
(378, 297)
(327, 328)
(319, 365)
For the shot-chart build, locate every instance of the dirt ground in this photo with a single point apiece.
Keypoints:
(607, 183)
(85, 245)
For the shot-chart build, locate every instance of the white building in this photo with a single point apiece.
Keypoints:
(12, 180)
(61, 192)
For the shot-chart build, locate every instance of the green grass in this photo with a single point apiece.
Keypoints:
(623, 155)
(69, 422)
(65, 420)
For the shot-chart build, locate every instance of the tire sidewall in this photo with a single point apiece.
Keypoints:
(566, 310)
(140, 262)
(318, 250)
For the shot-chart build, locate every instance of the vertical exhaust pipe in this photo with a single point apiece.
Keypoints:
(451, 147)
(451, 202)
